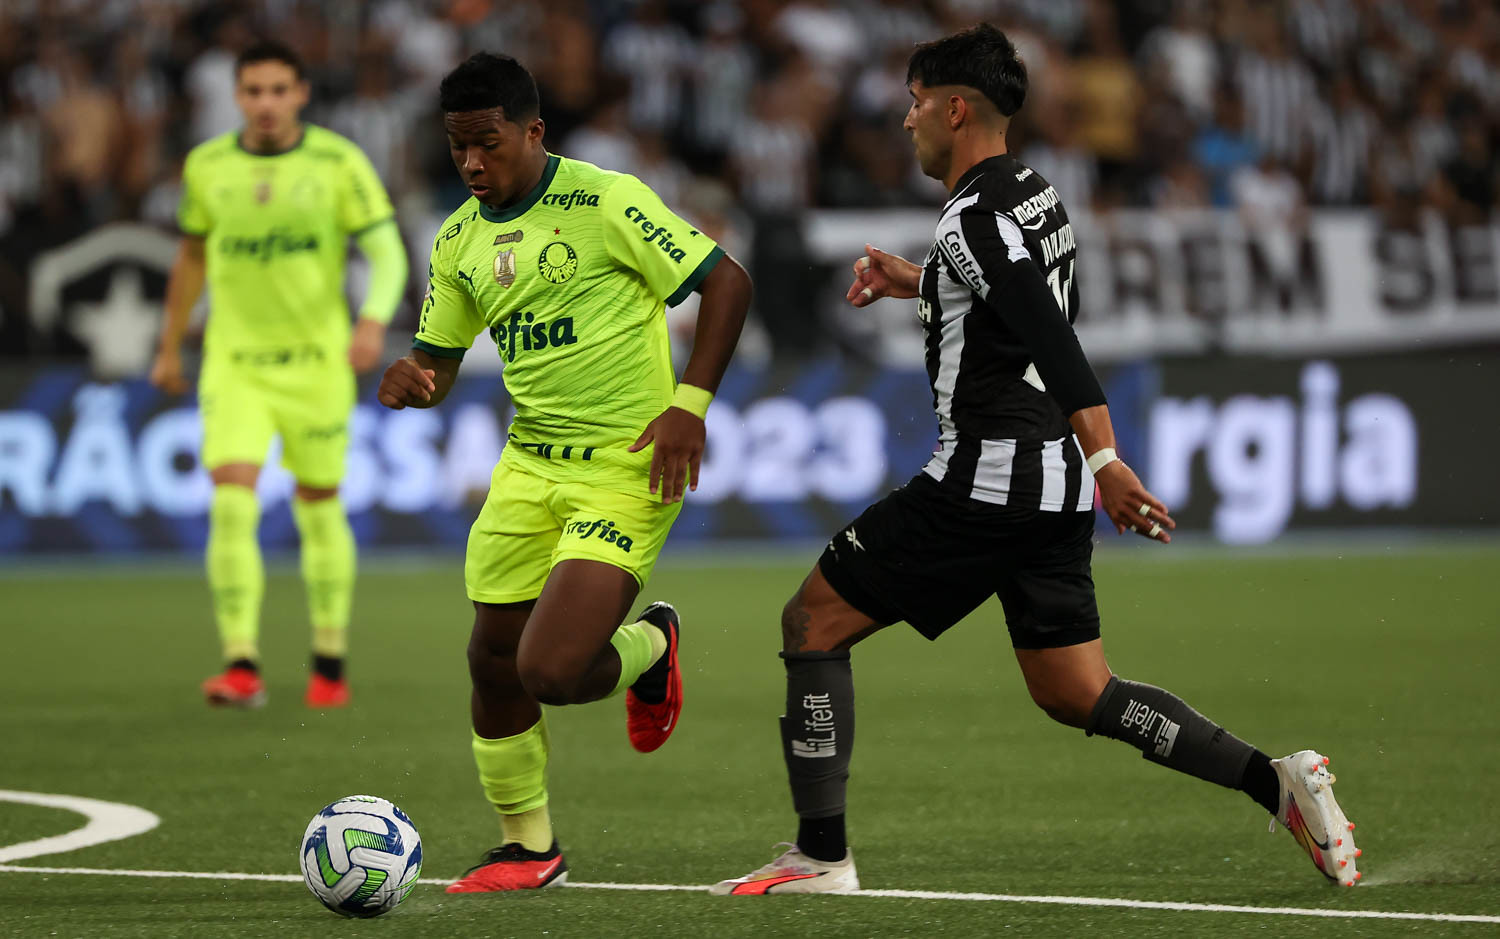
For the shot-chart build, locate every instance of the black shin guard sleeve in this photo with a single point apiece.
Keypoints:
(817, 730)
(1167, 731)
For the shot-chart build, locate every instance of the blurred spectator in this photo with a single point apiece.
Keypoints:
(1276, 90)
(780, 106)
(650, 54)
(1342, 135)
(1107, 96)
(1185, 47)
(1223, 149)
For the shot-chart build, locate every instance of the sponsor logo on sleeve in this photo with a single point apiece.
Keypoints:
(655, 234)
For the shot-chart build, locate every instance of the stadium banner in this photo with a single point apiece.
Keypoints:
(1250, 448)
(793, 453)
(88, 465)
(1244, 449)
(1203, 281)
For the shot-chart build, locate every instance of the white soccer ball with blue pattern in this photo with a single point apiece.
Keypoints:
(361, 856)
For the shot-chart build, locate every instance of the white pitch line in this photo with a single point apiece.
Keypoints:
(107, 821)
(897, 894)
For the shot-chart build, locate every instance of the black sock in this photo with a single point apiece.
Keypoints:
(817, 735)
(330, 667)
(1259, 782)
(651, 686)
(1167, 731)
(822, 839)
(249, 665)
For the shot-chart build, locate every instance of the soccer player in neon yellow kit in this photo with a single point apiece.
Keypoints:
(266, 215)
(569, 267)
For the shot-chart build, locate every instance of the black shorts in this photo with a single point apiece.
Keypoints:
(930, 558)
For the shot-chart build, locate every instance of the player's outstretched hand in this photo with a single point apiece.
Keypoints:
(366, 345)
(882, 274)
(166, 372)
(405, 382)
(1129, 505)
(679, 437)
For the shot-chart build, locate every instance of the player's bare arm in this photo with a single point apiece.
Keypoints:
(679, 435)
(366, 344)
(882, 274)
(184, 285)
(417, 380)
(1125, 500)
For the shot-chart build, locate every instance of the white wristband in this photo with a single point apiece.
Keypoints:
(1101, 459)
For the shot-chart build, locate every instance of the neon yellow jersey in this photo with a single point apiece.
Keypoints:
(276, 232)
(572, 283)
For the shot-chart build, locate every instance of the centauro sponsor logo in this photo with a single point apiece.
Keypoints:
(654, 233)
(523, 332)
(566, 200)
(274, 243)
(602, 529)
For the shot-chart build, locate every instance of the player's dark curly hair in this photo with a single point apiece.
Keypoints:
(485, 80)
(268, 50)
(980, 57)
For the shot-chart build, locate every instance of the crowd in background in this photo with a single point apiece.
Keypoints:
(745, 114)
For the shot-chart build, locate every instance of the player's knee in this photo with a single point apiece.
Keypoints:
(491, 662)
(1063, 705)
(548, 682)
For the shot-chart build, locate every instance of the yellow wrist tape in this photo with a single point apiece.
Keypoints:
(692, 399)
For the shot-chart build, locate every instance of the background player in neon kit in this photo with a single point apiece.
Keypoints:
(548, 598)
(275, 204)
(978, 521)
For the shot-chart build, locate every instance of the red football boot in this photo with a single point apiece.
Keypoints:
(326, 693)
(237, 687)
(650, 724)
(512, 867)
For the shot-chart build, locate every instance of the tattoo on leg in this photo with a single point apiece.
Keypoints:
(794, 621)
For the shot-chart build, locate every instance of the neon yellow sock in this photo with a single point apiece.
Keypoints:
(531, 829)
(328, 561)
(236, 575)
(513, 772)
(639, 645)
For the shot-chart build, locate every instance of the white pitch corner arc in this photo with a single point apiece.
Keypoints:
(107, 821)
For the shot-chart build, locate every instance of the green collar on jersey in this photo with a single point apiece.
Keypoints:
(519, 209)
(239, 141)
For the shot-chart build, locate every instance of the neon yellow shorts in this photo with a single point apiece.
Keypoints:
(529, 524)
(242, 410)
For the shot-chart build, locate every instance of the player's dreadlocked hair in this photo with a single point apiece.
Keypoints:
(269, 50)
(979, 57)
(485, 80)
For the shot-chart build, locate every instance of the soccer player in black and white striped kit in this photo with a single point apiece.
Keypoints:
(1005, 505)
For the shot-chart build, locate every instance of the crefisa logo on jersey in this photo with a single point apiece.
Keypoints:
(602, 529)
(656, 233)
(566, 200)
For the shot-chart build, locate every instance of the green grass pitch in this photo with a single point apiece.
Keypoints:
(1385, 661)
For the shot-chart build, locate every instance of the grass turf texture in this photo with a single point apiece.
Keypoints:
(959, 783)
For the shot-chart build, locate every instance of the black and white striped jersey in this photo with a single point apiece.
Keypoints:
(997, 302)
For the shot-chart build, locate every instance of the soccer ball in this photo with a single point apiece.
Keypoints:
(361, 856)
